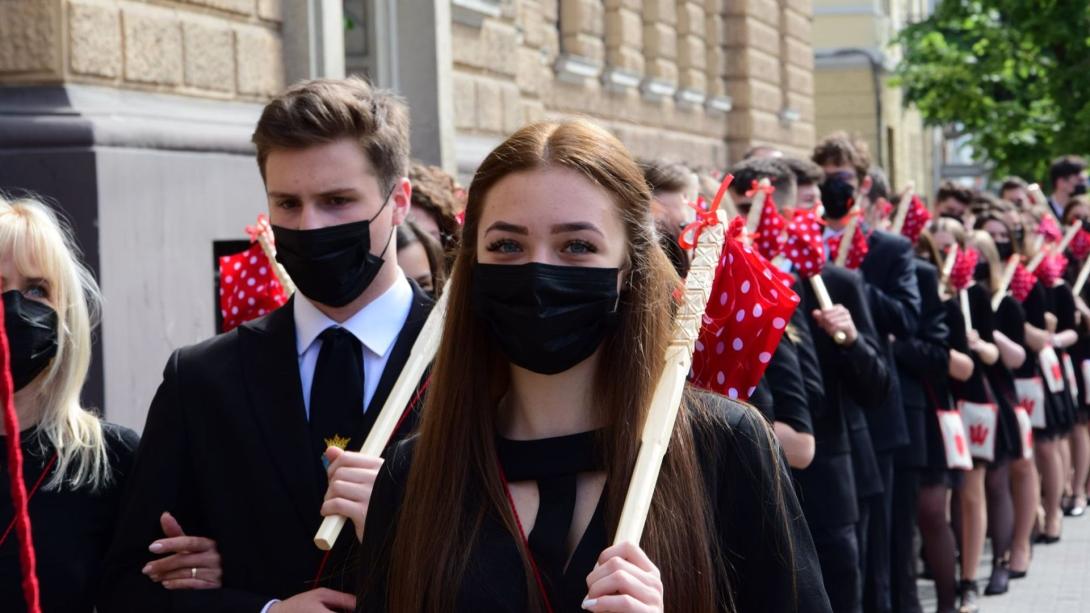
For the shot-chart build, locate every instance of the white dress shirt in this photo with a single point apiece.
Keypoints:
(376, 325)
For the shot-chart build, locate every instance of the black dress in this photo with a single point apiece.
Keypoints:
(1011, 321)
(738, 473)
(71, 529)
(1057, 404)
(1063, 303)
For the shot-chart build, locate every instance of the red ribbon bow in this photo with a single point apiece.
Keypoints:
(704, 218)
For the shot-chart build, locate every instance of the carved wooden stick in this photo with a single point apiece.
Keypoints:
(662, 414)
(903, 206)
(423, 351)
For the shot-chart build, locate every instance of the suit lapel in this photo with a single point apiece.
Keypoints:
(271, 370)
(418, 313)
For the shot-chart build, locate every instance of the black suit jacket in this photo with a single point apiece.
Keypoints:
(227, 450)
(855, 373)
(921, 360)
(894, 299)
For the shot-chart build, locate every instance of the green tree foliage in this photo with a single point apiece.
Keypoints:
(1014, 74)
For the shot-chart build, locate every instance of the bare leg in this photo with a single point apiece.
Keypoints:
(1080, 458)
(1049, 464)
(974, 522)
(1026, 489)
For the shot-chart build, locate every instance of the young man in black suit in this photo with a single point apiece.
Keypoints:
(235, 446)
(894, 300)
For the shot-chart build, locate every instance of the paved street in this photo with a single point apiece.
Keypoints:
(1058, 580)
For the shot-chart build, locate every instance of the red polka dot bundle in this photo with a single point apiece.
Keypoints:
(803, 247)
(916, 219)
(1051, 269)
(1080, 245)
(248, 287)
(1049, 229)
(856, 252)
(962, 274)
(748, 310)
(769, 237)
(1022, 283)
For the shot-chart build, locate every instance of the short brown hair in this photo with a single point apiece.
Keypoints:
(839, 149)
(663, 176)
(433, 193)
(806, 171)
(949, 189)
(325, 110)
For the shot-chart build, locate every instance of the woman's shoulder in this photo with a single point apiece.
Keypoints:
(121, 444)
(731, 425)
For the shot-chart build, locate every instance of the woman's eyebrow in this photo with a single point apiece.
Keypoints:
(503, 226)
(575, 227)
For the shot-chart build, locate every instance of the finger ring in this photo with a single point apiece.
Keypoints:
(193, 572)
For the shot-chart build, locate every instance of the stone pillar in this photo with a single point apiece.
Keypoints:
(135, 120)
(691, 53)
(624, 45)
(660, 48)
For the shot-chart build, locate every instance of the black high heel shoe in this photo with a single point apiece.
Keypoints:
(999, 582)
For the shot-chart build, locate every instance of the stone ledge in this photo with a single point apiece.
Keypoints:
(89, 116)
(473, 12)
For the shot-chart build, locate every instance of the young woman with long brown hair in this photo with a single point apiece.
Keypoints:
(559, 316)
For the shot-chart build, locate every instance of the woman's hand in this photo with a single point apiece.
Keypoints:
(624, 581)
(193, 563)
(351, 479)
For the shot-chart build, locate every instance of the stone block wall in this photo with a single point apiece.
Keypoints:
(698, 81)
(222, 49)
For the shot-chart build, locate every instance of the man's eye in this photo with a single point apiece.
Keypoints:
(288, 204)
(504, 245)
(339, 200)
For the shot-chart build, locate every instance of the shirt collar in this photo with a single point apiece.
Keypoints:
(376, 325)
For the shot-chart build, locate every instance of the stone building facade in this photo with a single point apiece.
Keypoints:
(134, 116)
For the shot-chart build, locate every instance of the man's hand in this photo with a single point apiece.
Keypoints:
(193, 563)
(351, 478)
(837, 319)
(321, 600)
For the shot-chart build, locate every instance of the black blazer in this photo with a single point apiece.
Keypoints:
(849, 374)
(227, 450)
(894, 299)
(922, 360)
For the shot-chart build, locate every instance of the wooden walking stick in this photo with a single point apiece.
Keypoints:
(422, 354)
(1080, 281)
(903, 207)
(846, 241)
(757, 205)
(659, 424)
(1005, 282)
(1069, 236)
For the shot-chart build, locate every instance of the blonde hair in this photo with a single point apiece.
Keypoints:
(983, 242)
(42, 245)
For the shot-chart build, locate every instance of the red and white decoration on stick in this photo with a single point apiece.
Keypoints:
(252, 282)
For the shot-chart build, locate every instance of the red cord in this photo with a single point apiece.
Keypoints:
(526, 543)
(33, 490)
(15, 474)
(408, 409)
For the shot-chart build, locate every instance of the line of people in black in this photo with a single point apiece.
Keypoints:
(502, 486)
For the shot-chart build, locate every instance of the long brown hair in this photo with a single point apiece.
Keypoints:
(455, 462)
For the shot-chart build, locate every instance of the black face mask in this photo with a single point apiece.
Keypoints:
(1018, 234)
(1005, 249)
(1080, 189)
(32, 337)
(546, 318)
(331, 265)
(837, 196)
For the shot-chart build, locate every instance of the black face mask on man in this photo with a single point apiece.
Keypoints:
(546, 318)
(31, 328)
(331, 265)
(837, 196)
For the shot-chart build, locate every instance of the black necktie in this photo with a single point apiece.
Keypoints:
(336, 392)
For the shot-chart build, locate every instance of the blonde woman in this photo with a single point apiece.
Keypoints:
(74, 463)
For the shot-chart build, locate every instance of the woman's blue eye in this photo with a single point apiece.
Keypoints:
(36, 291)
(580, 247)
(504, 245)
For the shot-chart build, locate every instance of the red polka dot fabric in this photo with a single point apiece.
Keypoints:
(748, 310)
(803, 247)
(1051, 268)
(1080, 245)
(248, 287)
(1049, 229)
(916, 219)
(856, 252)
(1022, 283)
(769, 237)
(964, 264)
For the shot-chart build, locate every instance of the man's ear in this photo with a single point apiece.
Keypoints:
(402, 200)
